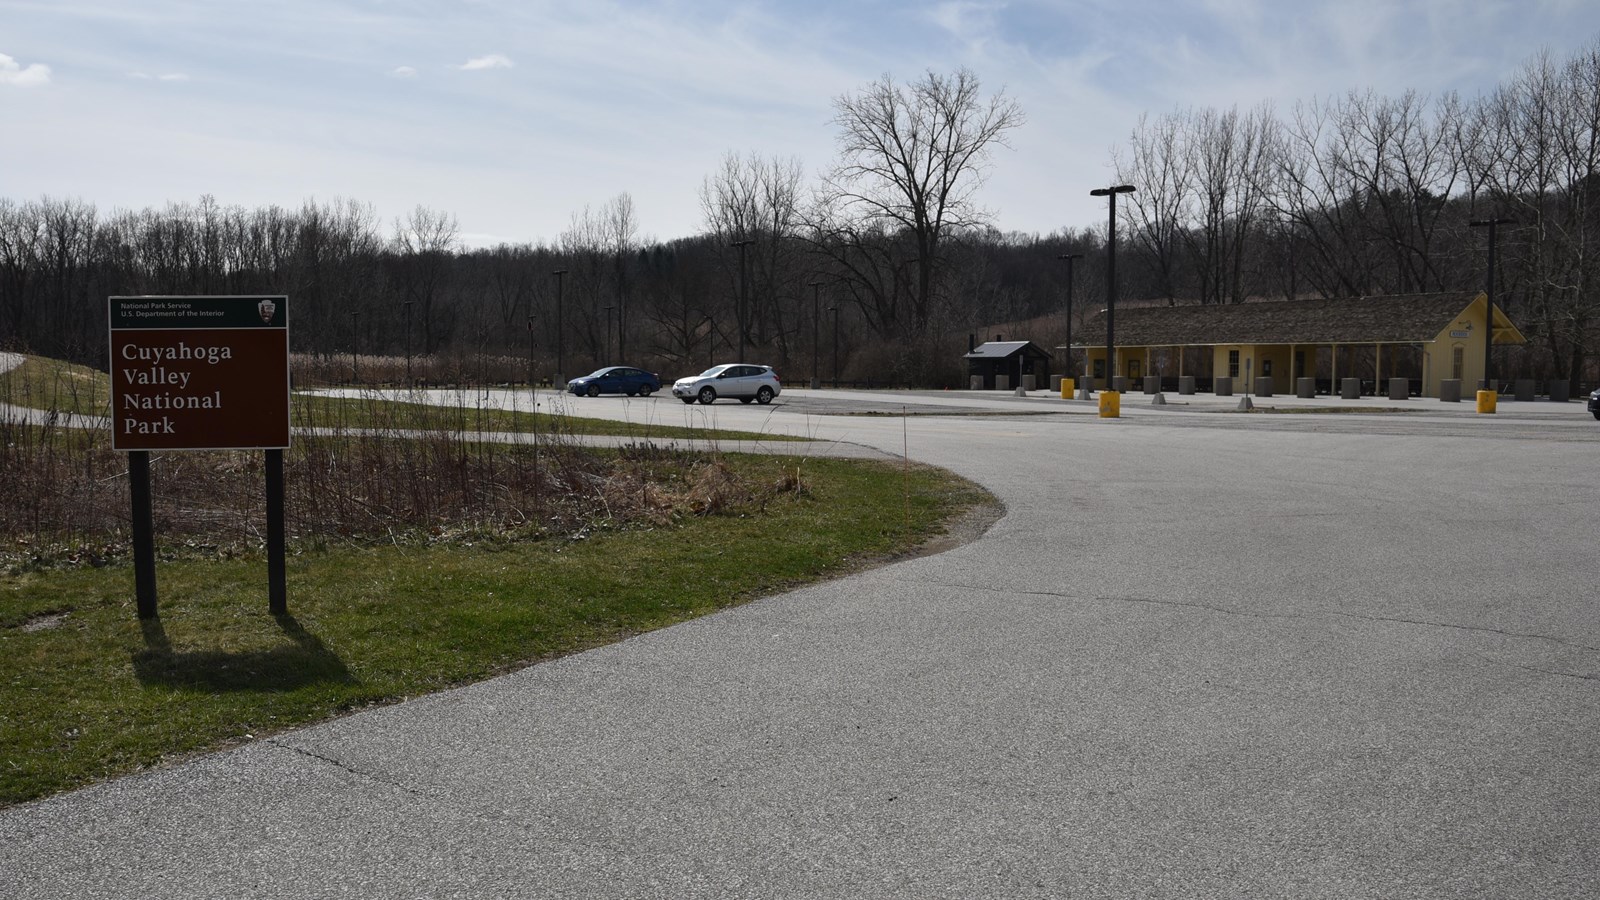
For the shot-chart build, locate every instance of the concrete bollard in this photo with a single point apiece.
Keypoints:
(1350, 388)
(1560, 392)
(1027, 382)
(1185, 385)
(1487, 401)
(1055, 384)
(1450, 390)
(1222, 385)
(1305, 388)
(1120, 384)
(1399, 389)
(1002, 382)
(1086, 389)
(1264, 386)
(1152, 384)
(1523, 390)
(1066, 387)
(1020, 391)
(1110, 405)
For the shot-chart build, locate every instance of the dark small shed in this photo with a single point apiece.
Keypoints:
(1013, 359)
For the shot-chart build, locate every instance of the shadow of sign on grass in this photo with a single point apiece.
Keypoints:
(301, 660)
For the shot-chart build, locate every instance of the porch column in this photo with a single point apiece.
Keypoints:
(1377, 367)
(1335, 367)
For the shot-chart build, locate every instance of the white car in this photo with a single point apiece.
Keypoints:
(736, 380)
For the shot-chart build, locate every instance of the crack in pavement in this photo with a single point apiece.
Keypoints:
(1223, 610)
(1561, 674)
(369, 776)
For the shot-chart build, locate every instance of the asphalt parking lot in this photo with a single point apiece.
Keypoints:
(1203, 654)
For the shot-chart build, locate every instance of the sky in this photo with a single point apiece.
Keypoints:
(515, 115)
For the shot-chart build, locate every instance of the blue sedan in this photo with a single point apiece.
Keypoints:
(616, 380)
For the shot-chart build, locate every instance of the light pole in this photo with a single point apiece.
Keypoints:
(711, 340)
(532, 378)
(835, 311)
(1488, 328)
(743, 293)
(1111, 279)
(816, 332)
(561, 351)
(355, 348)
(607, 352)
(1067, 364)
(407, 305)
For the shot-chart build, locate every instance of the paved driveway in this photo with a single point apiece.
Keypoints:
(1201, 656)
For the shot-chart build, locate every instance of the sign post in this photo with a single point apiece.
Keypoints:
(200, 373)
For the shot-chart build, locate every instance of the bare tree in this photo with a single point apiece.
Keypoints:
(619, 227)
(1158, 163)
(425, 242)
(754, 199)
(911, 158)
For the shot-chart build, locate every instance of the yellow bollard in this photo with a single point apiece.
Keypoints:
(1486, 401)
(1110, 405)
(1067, 387)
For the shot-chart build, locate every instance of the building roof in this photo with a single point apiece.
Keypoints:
(1390, 319)
(1003, 349)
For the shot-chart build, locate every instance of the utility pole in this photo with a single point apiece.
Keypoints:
(560, 381)
(1069, 371)
(816, 332)
(1488, 329)
(744, 298)
(1111, 279)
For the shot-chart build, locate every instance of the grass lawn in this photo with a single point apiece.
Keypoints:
(364, 412)
(87, 691)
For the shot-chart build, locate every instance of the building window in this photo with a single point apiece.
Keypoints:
(1457, 362)
(1233, 364)
(1099, 368)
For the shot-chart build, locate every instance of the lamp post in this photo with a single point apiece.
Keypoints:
(407, 305)
(1111, 278)
(561, 358)
(711, 339)
(355, 348)
(1069, 257)
(1488, 328)
(607, 352)
(816, 332)
(532, 377)
(835, 311)
(743, 293)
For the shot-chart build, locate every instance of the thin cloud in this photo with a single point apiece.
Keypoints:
(170, 76)
(403, 72)
(12, 72)
(492, 61)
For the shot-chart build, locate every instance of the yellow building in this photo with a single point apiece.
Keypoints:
(1425, 338)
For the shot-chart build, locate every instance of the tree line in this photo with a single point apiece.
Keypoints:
(883, 265)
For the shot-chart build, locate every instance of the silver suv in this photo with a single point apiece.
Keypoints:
(737, 380)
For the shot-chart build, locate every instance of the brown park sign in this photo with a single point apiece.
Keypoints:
(199, 373)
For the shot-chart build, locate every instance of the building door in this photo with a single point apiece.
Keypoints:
(1457, 362)
(1133, 368)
